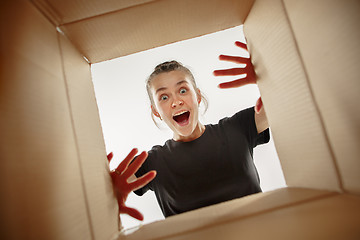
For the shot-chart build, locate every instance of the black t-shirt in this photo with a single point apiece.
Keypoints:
(216, 167)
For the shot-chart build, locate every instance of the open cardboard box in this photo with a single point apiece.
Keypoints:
(54, 176)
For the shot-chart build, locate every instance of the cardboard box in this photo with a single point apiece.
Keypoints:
(54, 176)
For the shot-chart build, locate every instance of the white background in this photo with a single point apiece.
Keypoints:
(125, 108)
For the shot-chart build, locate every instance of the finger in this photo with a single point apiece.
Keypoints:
(237, 83)
(230, 72)
(235, 59)
(241, 45)
(258, 105)
(132, 212)
(125, 163)
(132, 169)
(110, 156)
(142, 181)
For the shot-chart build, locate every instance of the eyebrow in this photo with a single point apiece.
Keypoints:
(164, 88)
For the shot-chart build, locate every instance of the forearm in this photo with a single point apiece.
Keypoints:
(261, 120)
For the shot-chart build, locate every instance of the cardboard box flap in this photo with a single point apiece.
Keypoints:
(101, 203)
(226, 212)
(329, 217)
(301, 142)
(156, 23)
(309, 82)
(41, 187)
(331, 54)
(62, 12)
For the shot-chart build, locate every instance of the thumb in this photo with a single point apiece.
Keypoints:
(132, 212)
(110, 156)
(258, 105)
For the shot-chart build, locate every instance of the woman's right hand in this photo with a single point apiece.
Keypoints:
(121, 175)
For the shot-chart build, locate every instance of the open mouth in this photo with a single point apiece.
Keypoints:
(182, 118)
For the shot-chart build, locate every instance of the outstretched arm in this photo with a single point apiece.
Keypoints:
(250, 78)
(121, 175)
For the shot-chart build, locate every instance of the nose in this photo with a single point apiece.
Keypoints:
(176, 103)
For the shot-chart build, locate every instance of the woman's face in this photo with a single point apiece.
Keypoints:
(176, 102)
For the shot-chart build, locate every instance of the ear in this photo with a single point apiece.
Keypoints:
(198, 96)
(153, 109)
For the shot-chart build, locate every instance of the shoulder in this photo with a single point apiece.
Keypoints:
(160, 150)
(240, 119)
(244, 123)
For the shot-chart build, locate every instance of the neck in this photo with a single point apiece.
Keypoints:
(198, 131)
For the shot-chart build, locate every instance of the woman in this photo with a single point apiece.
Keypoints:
(201, 165)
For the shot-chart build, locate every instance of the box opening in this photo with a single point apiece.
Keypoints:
(125, 113)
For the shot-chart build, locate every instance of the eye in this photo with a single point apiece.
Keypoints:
(163, 97)
(183, 90)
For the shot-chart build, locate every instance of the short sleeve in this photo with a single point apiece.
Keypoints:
(245, 120)
(142, 170)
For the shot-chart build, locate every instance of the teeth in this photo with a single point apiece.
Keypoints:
(179, 113)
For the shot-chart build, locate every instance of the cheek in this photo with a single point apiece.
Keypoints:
(193, 100)
(161, 107)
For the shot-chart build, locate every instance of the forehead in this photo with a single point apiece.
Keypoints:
(168, 80)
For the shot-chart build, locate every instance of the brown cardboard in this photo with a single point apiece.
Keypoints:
(297, 127)
(224, 213)
(101, 204)
(68, 11)
(54, 181)
(42, 193)
(330, 52)
(141, 27)
(334, 217)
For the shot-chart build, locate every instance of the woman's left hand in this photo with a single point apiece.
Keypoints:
(248, 69)
(250, 77)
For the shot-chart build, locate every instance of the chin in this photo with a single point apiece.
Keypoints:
(186, 132)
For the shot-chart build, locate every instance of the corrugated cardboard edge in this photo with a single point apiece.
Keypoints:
(227, 212)
(286, 94)
(48, 11)
(331, 55)
(132, 25)
(100, 202)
